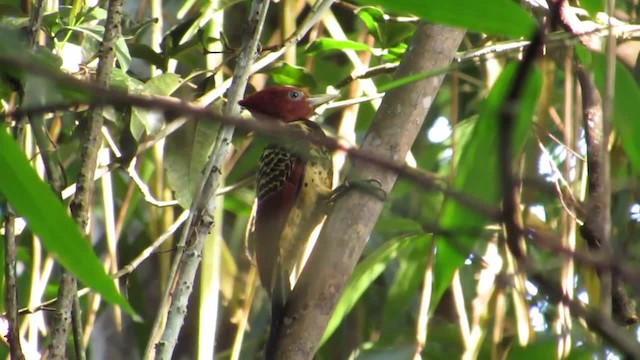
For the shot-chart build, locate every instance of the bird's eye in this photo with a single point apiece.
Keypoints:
(295, 95)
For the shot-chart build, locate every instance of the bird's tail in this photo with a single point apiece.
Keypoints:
(278, 303)
(277, 313)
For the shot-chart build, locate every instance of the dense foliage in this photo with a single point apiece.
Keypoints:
(439, 277)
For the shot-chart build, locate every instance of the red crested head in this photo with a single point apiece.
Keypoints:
(283, 103)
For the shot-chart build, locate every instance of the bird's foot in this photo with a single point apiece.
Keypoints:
(372, 187)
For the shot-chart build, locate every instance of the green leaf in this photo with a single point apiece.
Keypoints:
(10, 8)
(389, 226)
(97, 33)
(119, 79)
(477, 175)
(48, 219)
(38, 92)
(372, 17)
(163, 84)
(285, 74)
(592, 6)
(146, 53)
(143, 120)
(239, 203)
(397, 352)
(495, 17)
(363, 275)
(131, 28)
(407, 282)
(625, 105)
(185, 155)
(412, 78)
(327, 44)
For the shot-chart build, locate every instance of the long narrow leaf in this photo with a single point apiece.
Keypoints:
(363, 275)
(477, 175)
(48, 219)
(499, 17)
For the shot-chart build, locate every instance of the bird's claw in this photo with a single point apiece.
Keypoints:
(370, 186)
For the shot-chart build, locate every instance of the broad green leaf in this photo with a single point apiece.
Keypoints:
(38, 92)
(120, 80)
(395, 53)
(143, 120)
(389, 226)
(185, 155)
(625, 104)
(495, 17)
(146, 53)
(239, 202)
(163, 84)
(397, 352)
(413, 78)
(363, 275)
(97, 33)
(477, 175)
(10, 8)
(547, 348)
(541, 349)
(593, 6)
(327, 44)
(285, 74)
(407, 282)
(47, 218)
(371, 17)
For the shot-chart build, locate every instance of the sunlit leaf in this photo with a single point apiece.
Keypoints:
(372, 17)
(285, 74)
(327, 44)
(496, 17)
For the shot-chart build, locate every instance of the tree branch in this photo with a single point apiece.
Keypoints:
(342, 239)
(11, 285)
(200, 221)
(82, 201)
(597, 224)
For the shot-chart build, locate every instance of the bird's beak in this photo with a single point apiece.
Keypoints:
(317, 100)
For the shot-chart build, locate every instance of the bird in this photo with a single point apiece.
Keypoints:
(294, 186)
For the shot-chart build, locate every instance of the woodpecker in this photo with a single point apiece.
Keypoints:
(294, 185)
